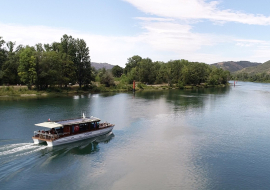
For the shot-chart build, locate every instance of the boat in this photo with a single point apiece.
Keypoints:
(71, 130)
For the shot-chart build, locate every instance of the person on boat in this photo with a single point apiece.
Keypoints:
(52, 131)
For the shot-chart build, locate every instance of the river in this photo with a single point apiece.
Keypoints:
(168, 139)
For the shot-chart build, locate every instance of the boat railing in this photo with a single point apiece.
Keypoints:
(47, 135)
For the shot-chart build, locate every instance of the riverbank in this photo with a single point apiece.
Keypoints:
(23, 91)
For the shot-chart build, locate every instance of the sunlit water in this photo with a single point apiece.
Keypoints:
(172, 139)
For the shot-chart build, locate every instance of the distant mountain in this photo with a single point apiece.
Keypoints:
(98, 66)
(261, 68)
(233, 66)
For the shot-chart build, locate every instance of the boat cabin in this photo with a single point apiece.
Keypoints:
(58, 129)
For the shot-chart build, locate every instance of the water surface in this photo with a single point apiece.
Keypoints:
(172, 139)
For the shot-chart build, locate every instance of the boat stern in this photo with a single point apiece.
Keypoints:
(37, 141)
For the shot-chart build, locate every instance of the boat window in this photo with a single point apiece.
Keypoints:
(92, 125)
(72, 128)
(66, 129)
(83, 127)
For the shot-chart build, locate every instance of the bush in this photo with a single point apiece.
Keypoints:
(141, 85)
(180, 85)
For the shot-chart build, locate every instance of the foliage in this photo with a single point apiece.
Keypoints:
(106, 78)
(10, 66)
(59, 64)
(259, 77)
(44, 65)
(132, 63)
(117, 71)
(2, 58)
(180, 72)
(141, 85)
(27, 67)
(82, 63)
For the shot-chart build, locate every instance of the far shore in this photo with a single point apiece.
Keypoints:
(22, 91)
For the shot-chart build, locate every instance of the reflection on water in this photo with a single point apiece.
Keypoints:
(185, 99)
(216, 138)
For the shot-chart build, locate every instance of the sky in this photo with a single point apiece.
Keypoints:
(162, 30)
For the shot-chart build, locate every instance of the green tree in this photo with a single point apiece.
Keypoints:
(176, 68)
(218, 76)
(10, 67)
(27, 67)
(82, 63)
(2, 58)
(50, 70)
(117, 71)
(68, 46)
(147, 72)
(38, 57)
(133, 75)
(132, 63)
(106, 78)
(55, 46)
(162, 73)
(19, 48)
(47, 47)
(68, 55)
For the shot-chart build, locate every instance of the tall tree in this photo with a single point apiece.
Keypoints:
(83, 64)
(27, 67)
(68, 46)
(2, 57)
(68, 56)
(38, 56)
(10, 67)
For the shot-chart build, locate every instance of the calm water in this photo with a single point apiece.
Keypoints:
(201, 139)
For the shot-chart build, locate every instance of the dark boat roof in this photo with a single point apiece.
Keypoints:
(54, 124)
(78, 121)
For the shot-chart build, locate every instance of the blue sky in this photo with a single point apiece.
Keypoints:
(196, 30)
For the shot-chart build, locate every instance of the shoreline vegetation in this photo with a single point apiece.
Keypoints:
(23, 91)
(65, 68)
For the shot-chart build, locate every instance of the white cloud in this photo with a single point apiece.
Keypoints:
(161, 40)
(250, 42)
(154, 19)
(197, 9)
(110, 49)
(169, 36)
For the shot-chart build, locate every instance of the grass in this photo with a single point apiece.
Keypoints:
(14, 90)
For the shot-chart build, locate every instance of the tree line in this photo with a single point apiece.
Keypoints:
(180, 72)
(68, 61)
(259, 77)
(44, 65)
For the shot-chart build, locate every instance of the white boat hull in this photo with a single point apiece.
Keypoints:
(78, 137)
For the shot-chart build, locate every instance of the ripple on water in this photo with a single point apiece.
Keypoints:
(14, 159)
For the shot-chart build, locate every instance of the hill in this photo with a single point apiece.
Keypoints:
(98, 66)
(234, 66)
(262, 68)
